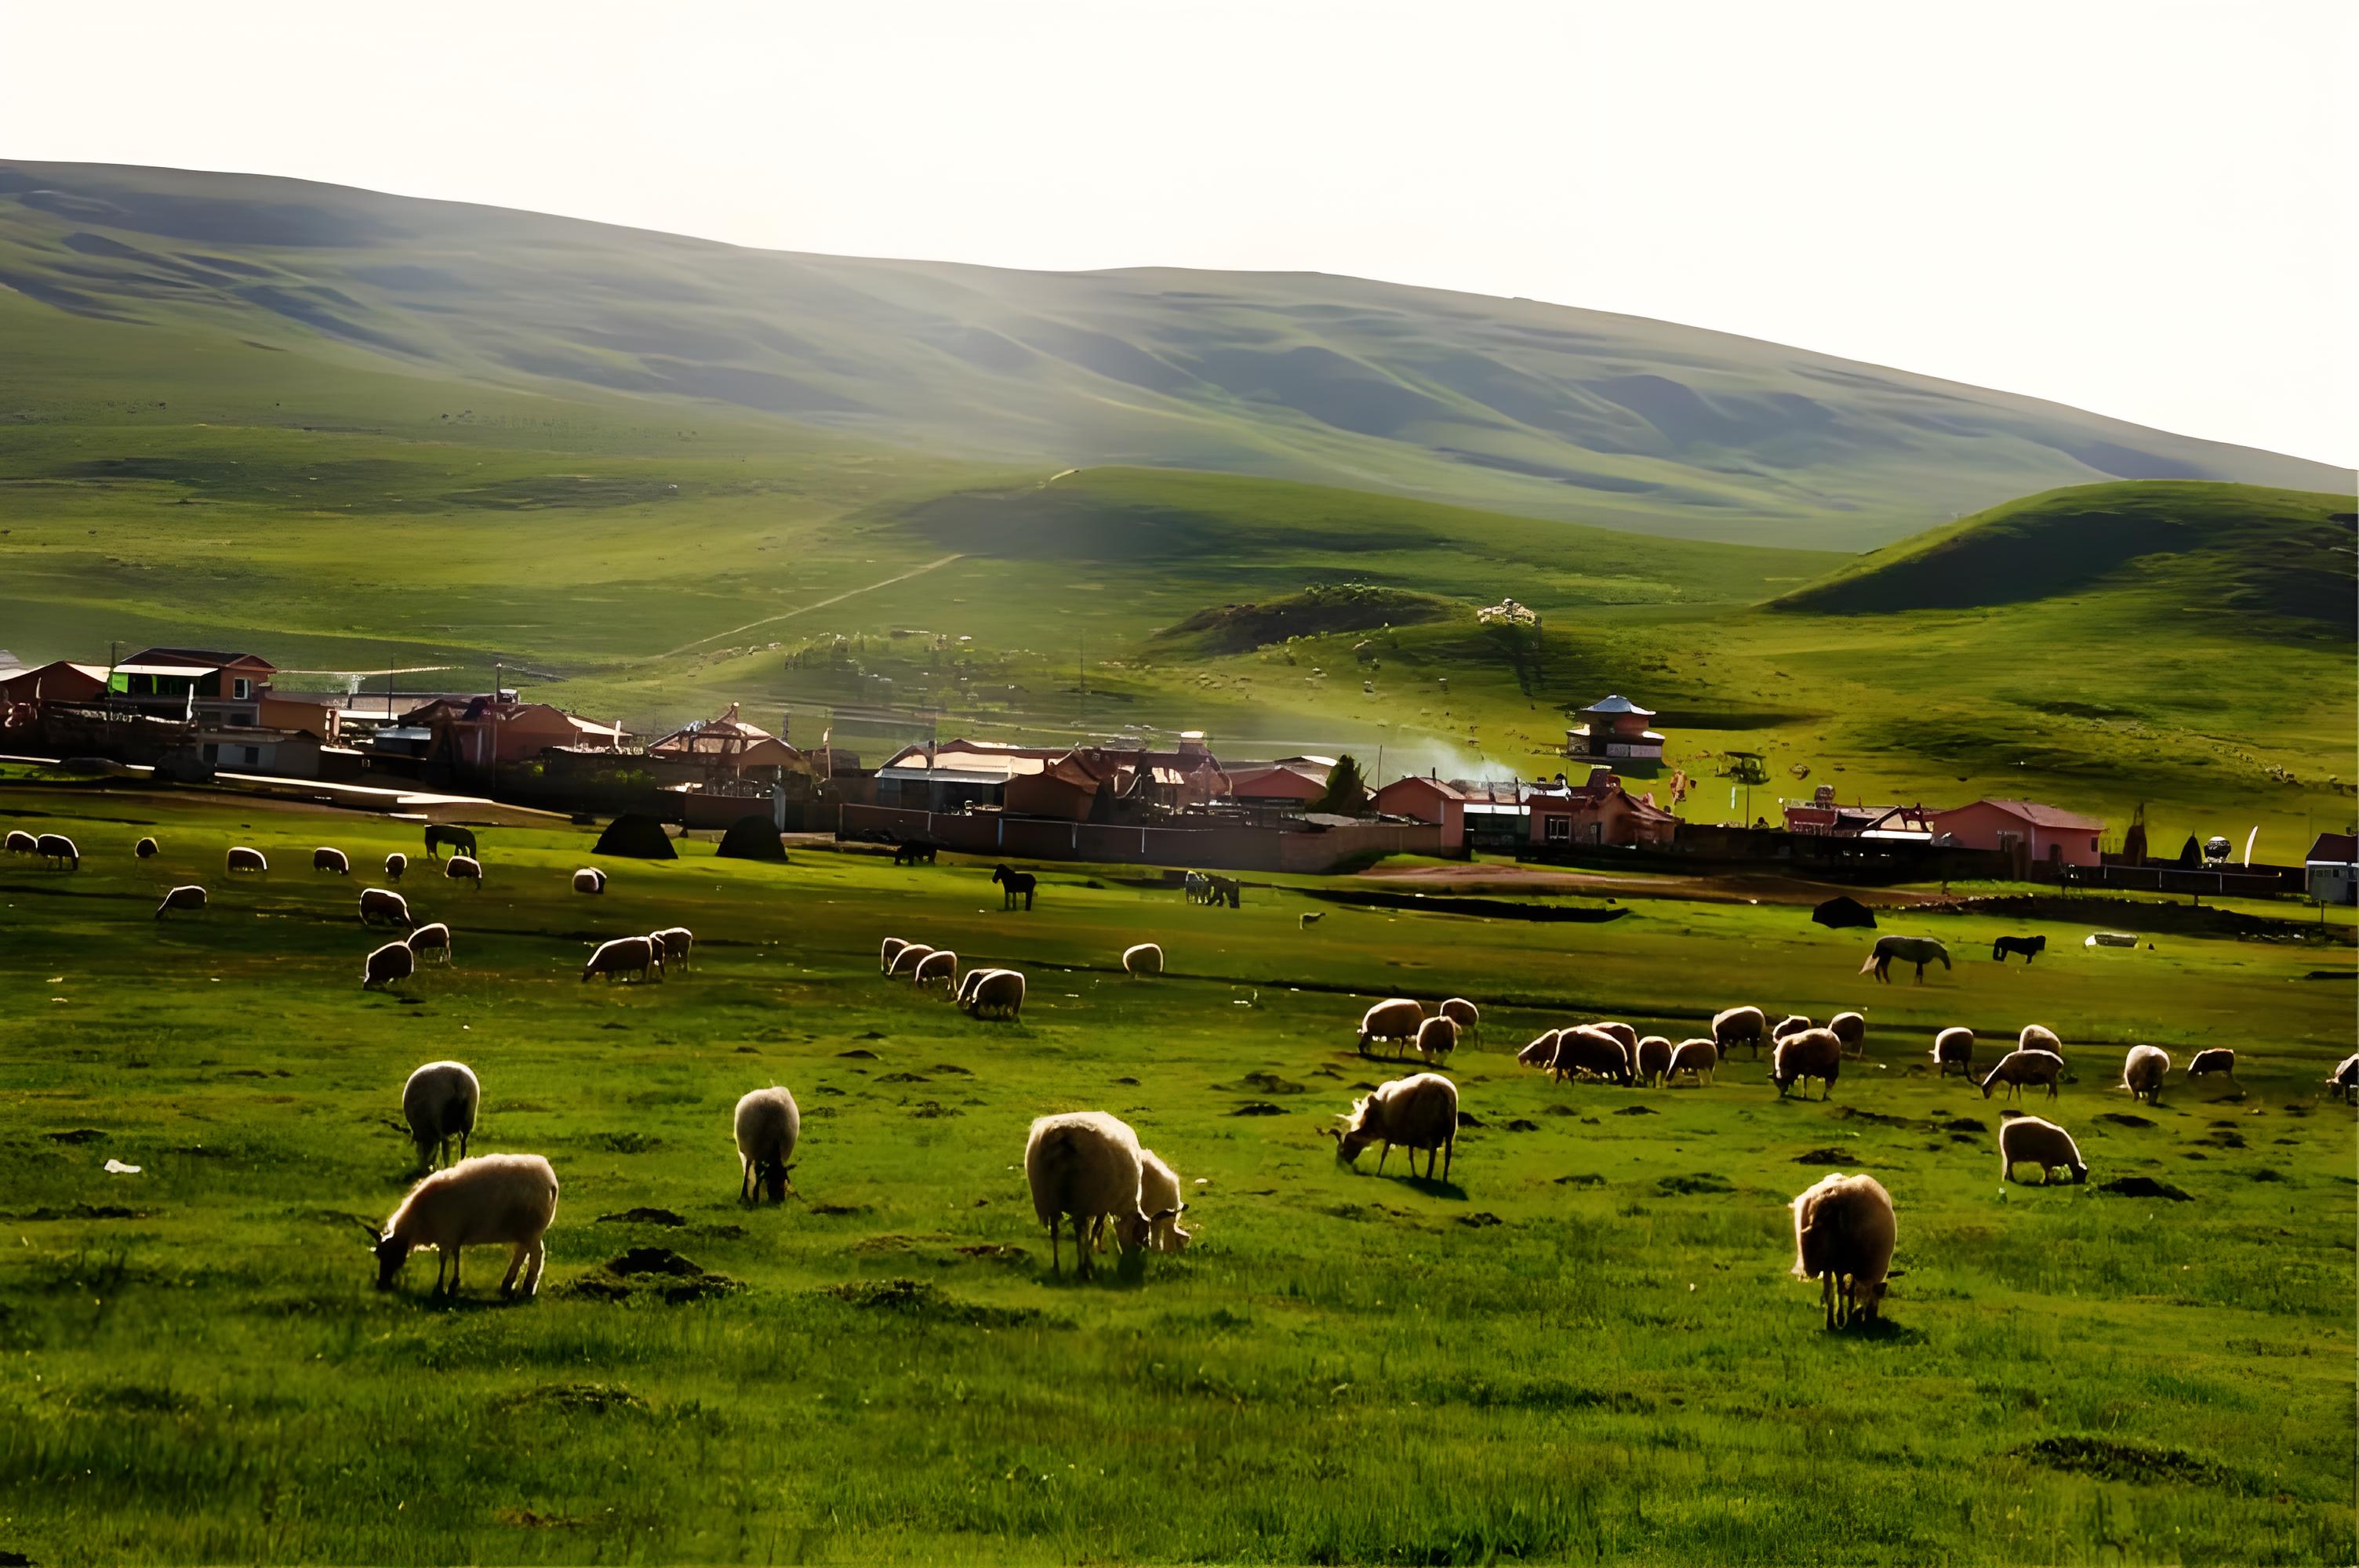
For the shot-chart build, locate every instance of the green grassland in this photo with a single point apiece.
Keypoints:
(1584, 1346)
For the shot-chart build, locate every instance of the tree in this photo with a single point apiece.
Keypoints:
(1347, 790)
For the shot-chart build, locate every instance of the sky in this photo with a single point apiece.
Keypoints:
(2142, 209)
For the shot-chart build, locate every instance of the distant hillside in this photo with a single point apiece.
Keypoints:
(2273, 555)
(125, 278)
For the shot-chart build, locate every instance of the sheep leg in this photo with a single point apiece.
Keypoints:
(1386, 1155)
(1827, 1296)
(745, 1178)
(463, 1144)
(442, 1259)
(1449, 1147)
(1081, 1250)
(1056, 1263)
(515, 1262)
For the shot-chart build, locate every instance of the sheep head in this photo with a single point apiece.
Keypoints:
(1355, 1134)
(391, 1253)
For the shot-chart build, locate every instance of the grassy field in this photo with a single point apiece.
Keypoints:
(1586, 1346)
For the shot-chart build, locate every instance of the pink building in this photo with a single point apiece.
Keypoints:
(1428, 800)
(2036, 831)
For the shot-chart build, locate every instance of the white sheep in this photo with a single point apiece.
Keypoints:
(1000, 991)
(331, 860)
(1807, 1054)
(1145, 959)
(590, 879)
(1420, 1112)
(1436, 1037)
(391, 962)
(1700, 1059)
(440, 1102)
(941, 964)
(384, 904)
(1084, 1165)
(2017, 1068)
(188, 897)
(1541, 1050)
(1654, 1058)
(2143, 1071)
(1844, 1235)
(1160, 1199)
(2028, 1140)
(492, 1200)
(1739, 1026)
(1622, 1032)
(623, 956)
(887, 953)
(1851, 1028)
(2217, 1059)
(2039, 1037)
(58, 847)
(1463, 1013)
(767, 1124)
(911, 954)
(245, 858)
(2344, 1079)
(674, 946)
(1792, 1024)
(434, 939)
(395, 864)
(1394, 1019)
(1592, 1051)
(1954, 1047)
(464, 869)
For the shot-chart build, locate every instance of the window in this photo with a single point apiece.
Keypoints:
(253, 756)
(241, 688)
(1556, 829)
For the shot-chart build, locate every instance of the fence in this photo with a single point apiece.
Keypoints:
(1219, 849)
(2226, 881)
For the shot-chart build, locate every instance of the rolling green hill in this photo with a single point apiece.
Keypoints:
(1533, 409)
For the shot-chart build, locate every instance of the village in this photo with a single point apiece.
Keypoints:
(197, 715)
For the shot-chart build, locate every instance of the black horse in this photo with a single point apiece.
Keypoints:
(1013, 883)
(2029, 946)
(1221, 890)
(462, 839)
(909, 852)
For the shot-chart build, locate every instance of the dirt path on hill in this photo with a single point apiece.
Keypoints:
(806, 608)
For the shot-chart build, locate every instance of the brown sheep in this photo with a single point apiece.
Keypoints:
(1954, 1047)
(1813, 1054)
(1590, 1051)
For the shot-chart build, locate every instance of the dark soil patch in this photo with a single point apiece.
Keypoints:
(2268, 1173)
(931, 1110)
(1671, 1187)
(860, 1054)
(588, 1399)
(1522, 1125)
(839, 1208)
(2115, 1461)
(1262, 1083)
(2122, 1118)
(1559, 1110)
(76, 1135)
(1637, 1110)
(953, 1069)
(1852, 1113)
(905, 1078)
(2226, 1138)
(916, 1298)
(1127, 1083)
(1468, 1118)
(1259, 1107)
(1823, 1157)
(996, 1252)
(1581, 1179)
(642, 1216)
(625, 1143)
(2145, 1188)
(653, 1270)
(81, 1211)
(1482, 1219)
(1965, 1124)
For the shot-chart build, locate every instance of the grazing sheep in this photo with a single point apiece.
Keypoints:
(431, 939)
(941, 964)
(1420, 1112)
(1147, 958)
(1590, 1051)
(492, 1200)
(464, 869)
(1436, 1037)
(391, 962)
(1814, 1053)
(60, 848)
(1698, 1059)
(2039, 1037)
(1084, 1165)
(1851, 1028)
(144, 850)
(623, 956)
(329, 859)
(2028, 1140)
(1739, 1026)
(1305, 922)
(1918, 950)
(382, 904)
(1654, 1058)
(966, 985)
(1622, 1032)
(2218, 1059)
(1000, 991)
(1541, 1052)
(1396, 1018)
(1954, 1047)
(907, 960)
(674, 946)
(1463, 1013)
(395, 864)
(2143, 1071)
(189, 897)
(439, 1102)
(590, 879)
(769, 1123)
(1843, 1237)
(21, 842)
(1792, 1024)
(244, 858)
(2345, 1080)
(1158, 1197)
(2017, 1068)
(887, 953)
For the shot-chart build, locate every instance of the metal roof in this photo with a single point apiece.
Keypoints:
(1617, 703)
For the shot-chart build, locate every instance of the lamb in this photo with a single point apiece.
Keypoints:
(1000, 991)
(1851, 1028)
(464, 869)
(1954, 1047)
(492, 1200)
(1145, 959)
(242, 858)
(1305, 922)
(768, 1123)
(1792, 1024)
(675, 945)
(1436, 1038)
(391, 962)
(1086, 1164)
(1590, 1051)
(1463, 1013)
(1654, 1058)
(887, 953)
(395, 864)
(623, 956)
(382, 904)
(2017, 1068)
(2028, 1140)
(189, 897)
(907, 960)
(1420, 1112)
(2039, 1037)
(1739, 1026)
(1697, 1058)
(941, 964)
(329, 860)
(1813, 1054)
(590, 879)
(1843, 1237)
(21, 842)
(1541, 1052)
(57, 846)
(1622, 1032)
(146, 850)
(1158, 1197)
(431, 939)
(439, 1102)
(2344, 1079)
(2143, 1071)
(2218, 1059)
(1396, 1018)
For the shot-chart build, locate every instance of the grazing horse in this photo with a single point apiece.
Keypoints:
(1014, 883)
(460, 838)
(1918, 950)
(1199, 887)
(909, 852)
(1219, 891)
(2029, 946)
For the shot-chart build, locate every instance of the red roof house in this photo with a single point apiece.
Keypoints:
(2043, 832)
(1599, 812)
(1424, 799)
